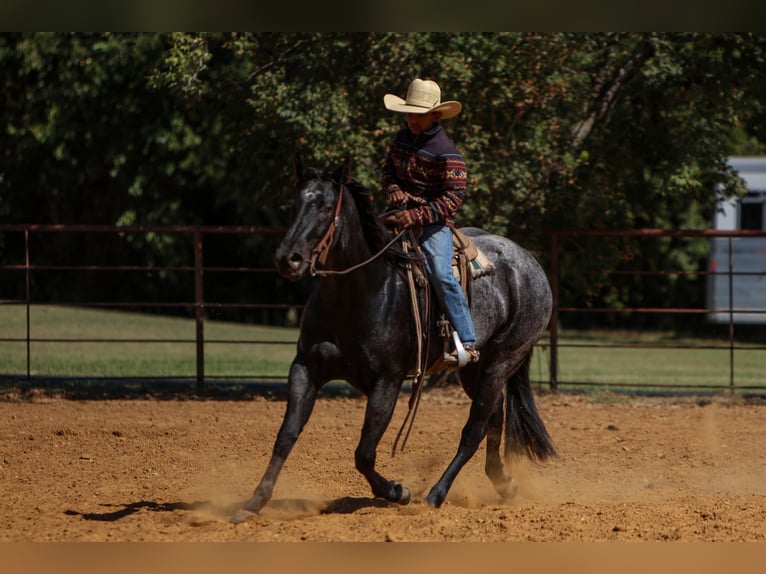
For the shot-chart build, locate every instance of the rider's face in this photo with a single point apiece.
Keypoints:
(418, 123)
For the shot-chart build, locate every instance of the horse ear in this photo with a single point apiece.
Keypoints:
(343, 172)
(298, 166)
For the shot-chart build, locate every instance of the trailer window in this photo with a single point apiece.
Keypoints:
(751, 213)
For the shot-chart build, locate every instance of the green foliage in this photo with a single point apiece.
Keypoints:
(560, 131)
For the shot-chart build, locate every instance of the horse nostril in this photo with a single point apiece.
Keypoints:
(295, 260)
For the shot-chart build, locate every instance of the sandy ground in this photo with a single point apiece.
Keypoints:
(629, 469)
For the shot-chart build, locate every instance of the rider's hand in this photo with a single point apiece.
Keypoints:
(399, 219)
(397, 198)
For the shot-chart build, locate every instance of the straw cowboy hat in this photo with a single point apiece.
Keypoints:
(423, 96)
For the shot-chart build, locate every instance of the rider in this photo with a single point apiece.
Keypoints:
(425, 176)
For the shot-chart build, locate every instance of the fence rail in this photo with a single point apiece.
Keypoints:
(195, 300)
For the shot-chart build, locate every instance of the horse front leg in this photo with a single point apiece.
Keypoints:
(380, 407)
(301, 398)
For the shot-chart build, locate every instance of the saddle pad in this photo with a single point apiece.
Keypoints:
(479, 264)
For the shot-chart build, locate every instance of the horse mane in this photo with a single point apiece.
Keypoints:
(376, 234)
(374, 231)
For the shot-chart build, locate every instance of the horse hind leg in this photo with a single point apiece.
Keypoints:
(494, 466)
(525, 432)
(483, 406)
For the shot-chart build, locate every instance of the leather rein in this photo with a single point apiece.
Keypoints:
(322, 248)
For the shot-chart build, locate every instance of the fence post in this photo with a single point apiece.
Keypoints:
(27, 296)
(199, 309)
(731, 316)
(554, 324)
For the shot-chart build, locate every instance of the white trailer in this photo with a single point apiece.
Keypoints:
(736, 286)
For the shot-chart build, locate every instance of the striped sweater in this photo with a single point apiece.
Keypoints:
(430, 170)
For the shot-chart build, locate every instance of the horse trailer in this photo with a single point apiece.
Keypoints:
(736, 285)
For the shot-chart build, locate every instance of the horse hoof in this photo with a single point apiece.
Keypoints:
(434, 501)
(404, 498)
(241, 515)
(509, 490)
(505, 487)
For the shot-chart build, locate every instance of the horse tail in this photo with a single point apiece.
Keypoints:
(525, 432)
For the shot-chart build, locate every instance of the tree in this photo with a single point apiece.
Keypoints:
(560, 131)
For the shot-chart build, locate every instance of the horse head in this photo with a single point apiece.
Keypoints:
(317, 206)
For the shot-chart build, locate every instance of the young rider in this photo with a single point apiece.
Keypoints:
(425, 176)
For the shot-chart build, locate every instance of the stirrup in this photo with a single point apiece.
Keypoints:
(461, 355)
(472, 356)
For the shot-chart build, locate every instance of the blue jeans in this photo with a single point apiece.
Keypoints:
(436, 243)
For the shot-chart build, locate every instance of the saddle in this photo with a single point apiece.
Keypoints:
(468, 263)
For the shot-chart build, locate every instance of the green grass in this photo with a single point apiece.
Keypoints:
(122, 358)
(602, 368)
(643, 367)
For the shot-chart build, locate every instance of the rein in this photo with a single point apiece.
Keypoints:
(322, 249)
(423, 336)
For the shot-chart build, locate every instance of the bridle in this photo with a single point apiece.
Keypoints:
(322, 248)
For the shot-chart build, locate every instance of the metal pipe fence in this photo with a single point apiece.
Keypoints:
(19, 260)
(728, 307)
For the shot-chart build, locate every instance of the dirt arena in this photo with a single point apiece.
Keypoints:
(629, 469)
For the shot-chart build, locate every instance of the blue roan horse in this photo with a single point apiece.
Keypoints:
(359, 327)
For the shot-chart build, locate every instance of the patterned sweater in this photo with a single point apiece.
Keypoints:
(430, 170)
